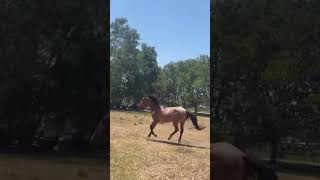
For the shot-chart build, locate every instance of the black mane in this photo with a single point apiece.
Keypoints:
(154, 99)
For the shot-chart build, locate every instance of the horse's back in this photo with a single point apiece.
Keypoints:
(170, 114)
(175, 111)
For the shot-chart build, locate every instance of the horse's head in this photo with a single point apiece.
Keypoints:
(148, 101)
(145, 102)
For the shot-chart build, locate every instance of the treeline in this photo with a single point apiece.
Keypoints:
(52, 64)
(135, 73)
(266, 71)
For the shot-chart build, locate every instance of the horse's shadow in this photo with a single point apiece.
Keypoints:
(176, 144)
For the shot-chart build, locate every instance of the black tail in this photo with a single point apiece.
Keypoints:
(259, 171)
(194, 120)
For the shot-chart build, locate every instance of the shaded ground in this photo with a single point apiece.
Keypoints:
(284, 176)
(134, 156)
(25, 167)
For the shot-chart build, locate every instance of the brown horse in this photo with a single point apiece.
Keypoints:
(162, 115)
(230, 163)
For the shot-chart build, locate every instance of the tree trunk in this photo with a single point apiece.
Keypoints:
(195, 108)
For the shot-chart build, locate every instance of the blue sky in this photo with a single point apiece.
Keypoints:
(178, 29)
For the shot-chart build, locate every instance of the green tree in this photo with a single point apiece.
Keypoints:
(124, 41)
(134, 70)
(186, 83)
(147, 72)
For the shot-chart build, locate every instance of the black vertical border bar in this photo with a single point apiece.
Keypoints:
(213, 57)
(107, 124)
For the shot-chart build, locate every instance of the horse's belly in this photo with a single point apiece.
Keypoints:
(165, 121)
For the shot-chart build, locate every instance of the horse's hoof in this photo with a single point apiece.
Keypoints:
(155, 135)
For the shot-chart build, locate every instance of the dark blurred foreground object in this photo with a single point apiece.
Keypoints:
(99, 137)
(68, 143)
(227, 158)
(75, 143)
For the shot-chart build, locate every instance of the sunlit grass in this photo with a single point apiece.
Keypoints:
(134, 157)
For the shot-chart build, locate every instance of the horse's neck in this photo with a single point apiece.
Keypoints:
(161, 111)
(155, 108)
(157, 114)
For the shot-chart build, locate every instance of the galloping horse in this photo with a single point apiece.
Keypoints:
(162, 115)
(230, 163)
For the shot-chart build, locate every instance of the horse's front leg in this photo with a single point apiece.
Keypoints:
(152, 126)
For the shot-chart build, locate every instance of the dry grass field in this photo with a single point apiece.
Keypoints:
(134, 156)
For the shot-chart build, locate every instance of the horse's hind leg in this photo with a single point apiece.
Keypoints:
(152, 126)
(176, 129)
(181, 130)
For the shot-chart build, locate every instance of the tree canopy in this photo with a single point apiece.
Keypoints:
(135, 72)
(266, 69)
(53, 63)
